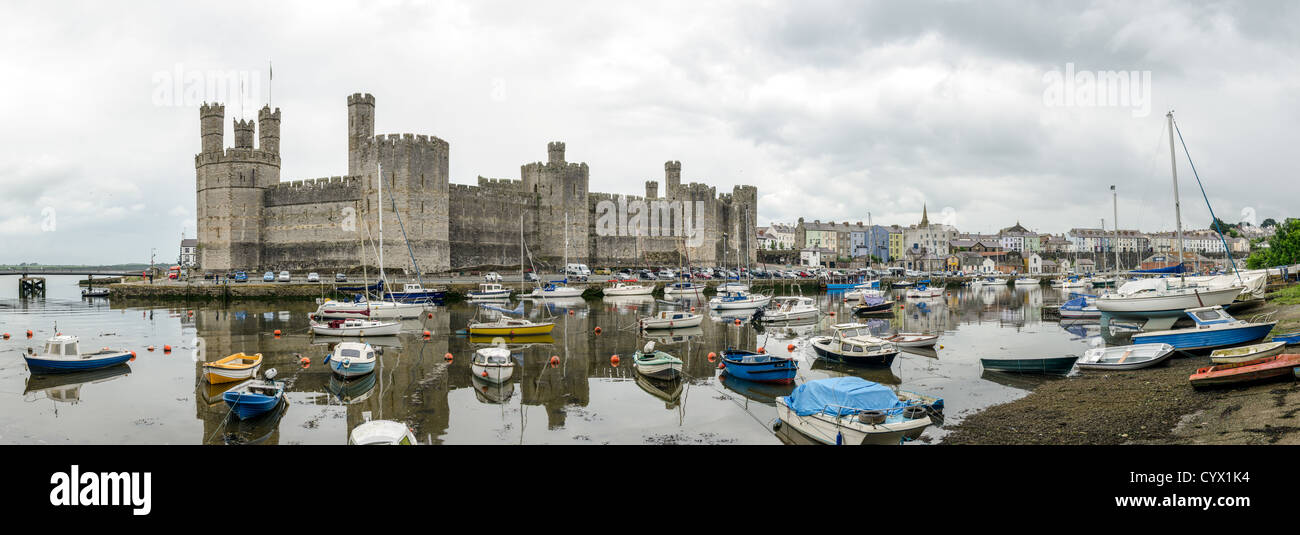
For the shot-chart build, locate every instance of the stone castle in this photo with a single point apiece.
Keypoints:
(249, 220)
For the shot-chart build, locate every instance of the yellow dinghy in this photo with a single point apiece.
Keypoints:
(511, 327)
(236, 367)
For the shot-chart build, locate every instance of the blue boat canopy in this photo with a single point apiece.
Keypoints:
(842, 396)
(1179, 268)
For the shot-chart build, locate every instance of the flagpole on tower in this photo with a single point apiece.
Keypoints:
(271, 87)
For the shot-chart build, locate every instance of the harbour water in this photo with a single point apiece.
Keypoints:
(160, 398)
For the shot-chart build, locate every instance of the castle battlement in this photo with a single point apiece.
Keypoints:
(500, 183)
(237, 155)
(361, 98)
(316, 183)
(213, 109)
(313, 191)
(395, 140)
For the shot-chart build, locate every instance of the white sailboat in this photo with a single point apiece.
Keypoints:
(559, 288)
(1161, 301)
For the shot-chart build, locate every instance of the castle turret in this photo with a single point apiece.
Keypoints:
(212, 126)
(555, 152)
(361, 129)
(268, 124)
(651, 189)
(672, 178)
(244, 134)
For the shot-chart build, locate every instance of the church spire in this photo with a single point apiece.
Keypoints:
(925, 217)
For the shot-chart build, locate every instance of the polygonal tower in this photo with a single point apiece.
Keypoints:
(561, 189)
(229, 185)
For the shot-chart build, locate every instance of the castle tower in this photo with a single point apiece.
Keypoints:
(229, 187)
(561, 189)
(672, 178)
(361, 130)
(651, 190)
(555, 152)
(244, 134)
(268, 124)
(212, 126)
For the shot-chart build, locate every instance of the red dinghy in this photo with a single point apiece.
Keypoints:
(1243, 372)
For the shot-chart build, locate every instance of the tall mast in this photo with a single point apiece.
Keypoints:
(1115, 200)
(1178, 207)
(521, 253)
(381, 227)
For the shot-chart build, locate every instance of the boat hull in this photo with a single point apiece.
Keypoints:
(883, 359)
(759, 367)
(348, 369)
(54, 365)
(1193, 339)
(492, 374)
(513, 331)
(1161, 303)
(656, 323)
(1052, 365)
(828, 429)
(386, 329)
(217, 375)
(247, 405)
(1246, 372)
(1243, 354)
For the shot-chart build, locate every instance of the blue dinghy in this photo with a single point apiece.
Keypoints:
(62, 356)
(254, 398)
(1214, 328)
(1290, 338)
(760, 367)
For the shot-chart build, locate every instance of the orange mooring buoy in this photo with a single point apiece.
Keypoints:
(430, 315)
(737, 321)
(167, 349)
(29, 333)
(150, 348)
(484, 373)
(277, 332)
(790, 348)
(427, 333)
(570, 312)
(447, 357)
(555, 360)
(305, 362)
(762, 350)
(6, 336)
(713, 356)
(613, 361)
(722, 365)
(597, 329)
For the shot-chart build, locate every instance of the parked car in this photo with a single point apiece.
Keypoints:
(492, 276)
(646, 274)
(268, 276)
(602, 271)
(240, 276)
(530, 277)
(284, 276)
(340, 277)
(313, 277)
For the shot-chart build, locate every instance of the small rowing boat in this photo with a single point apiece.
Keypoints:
(1245, 372)
(759, 367)
(914, 339)
(234, 368)
(1132, 357)
(1290, 338)
(1048, 365)
(656, 364)
(1245, 353)
(254, 398)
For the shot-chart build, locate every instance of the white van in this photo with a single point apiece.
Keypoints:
(577, 270)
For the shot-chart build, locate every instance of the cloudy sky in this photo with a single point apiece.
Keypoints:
(833, 109)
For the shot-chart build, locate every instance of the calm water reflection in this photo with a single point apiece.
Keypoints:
(160, 398)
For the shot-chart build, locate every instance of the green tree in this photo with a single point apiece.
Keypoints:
(1283, 248)
(1268, 223)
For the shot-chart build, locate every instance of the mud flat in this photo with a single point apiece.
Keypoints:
(1151, 406)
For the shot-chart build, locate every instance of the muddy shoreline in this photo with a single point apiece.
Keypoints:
(1151, 406)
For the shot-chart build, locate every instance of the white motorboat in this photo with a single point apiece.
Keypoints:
(789, 309)
(356, 327)
(95, 292)
(626, 288)
(1124, 357)
(923, 291)
(489, 290)
(672, 319)
(687, 288)
(850, 410)
(376, 310)
(732, 286)
(739, 300)
(493, 364)
(556, 289)
(853, 343)
(352, 359)
(1026, 281)
(383, 432)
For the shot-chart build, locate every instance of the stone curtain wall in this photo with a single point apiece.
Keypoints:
(484, 223)
(313, 225)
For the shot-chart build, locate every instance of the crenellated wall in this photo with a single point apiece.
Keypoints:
(250, 220)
